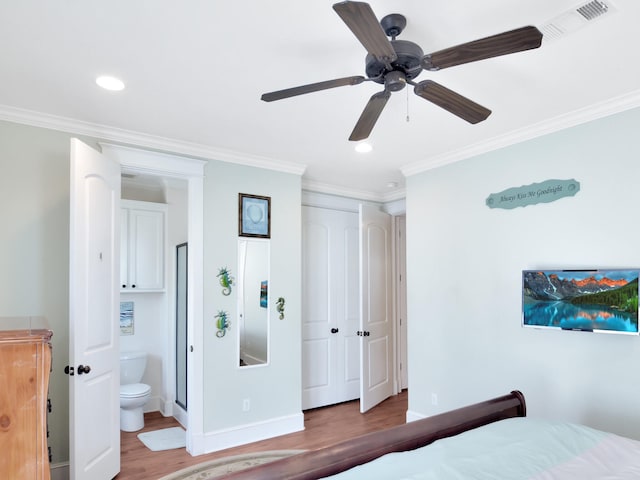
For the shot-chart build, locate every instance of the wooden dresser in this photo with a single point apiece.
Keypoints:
(25, 364)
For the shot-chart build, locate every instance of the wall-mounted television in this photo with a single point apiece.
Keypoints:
(603, 300)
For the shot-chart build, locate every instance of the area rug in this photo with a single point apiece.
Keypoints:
(223, 466)
(164, 439)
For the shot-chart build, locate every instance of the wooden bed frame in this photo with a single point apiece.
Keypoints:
(337, 458)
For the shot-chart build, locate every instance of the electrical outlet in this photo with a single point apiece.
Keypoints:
(434, 399)
(246, 405)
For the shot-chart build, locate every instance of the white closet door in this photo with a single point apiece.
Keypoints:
(377, 320)
(330, 286)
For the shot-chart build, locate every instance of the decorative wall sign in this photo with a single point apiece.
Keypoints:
(544, 192)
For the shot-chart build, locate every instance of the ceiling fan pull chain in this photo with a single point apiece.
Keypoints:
(407, 90)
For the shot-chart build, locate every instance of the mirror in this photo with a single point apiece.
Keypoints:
(181, 325)
(252, 289)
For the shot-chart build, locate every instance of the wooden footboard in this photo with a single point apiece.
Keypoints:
(342, 456)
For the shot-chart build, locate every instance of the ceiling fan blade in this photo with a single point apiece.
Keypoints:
(525, 38)
(312, 87)
(451, 101)
(361, 20)
(369, 116)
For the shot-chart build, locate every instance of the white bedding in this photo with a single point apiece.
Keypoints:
(513, 449)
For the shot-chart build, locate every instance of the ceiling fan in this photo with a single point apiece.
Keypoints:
(395, 63)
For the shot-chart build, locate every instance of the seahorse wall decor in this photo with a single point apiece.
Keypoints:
(222, 323)
(280, 307)
(226, 280)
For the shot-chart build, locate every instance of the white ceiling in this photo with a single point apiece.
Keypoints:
(195, 71)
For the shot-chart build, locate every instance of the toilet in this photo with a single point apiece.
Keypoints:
(133, 394)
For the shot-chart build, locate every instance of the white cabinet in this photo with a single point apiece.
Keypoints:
(142, 246)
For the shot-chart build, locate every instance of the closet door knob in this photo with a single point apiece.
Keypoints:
(83, 369)
(334, 330)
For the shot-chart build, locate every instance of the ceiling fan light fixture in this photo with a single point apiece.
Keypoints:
(395, 63)
(363, 147)
(110, 83)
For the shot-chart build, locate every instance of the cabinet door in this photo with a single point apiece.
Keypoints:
(124, 248)
(146, 250)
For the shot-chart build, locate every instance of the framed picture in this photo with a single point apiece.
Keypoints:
(126, 318)
(254, 216)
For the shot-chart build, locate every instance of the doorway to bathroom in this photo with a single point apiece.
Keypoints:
(173, 316)
(154, 213)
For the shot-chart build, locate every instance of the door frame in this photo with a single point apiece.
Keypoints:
(400, 304)
(138, 161)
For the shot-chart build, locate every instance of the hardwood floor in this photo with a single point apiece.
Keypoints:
(323, 426)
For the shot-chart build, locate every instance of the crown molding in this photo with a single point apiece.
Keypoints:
(143, 140)
(122, 138)
(330, 189)
(561, 122)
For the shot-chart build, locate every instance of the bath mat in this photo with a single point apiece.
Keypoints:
(165, 439)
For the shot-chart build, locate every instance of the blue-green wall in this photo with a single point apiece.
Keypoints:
(464, 264)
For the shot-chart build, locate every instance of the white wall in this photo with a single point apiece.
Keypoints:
(150, 335)
(34, 249)
(464, 277)
(274, 390)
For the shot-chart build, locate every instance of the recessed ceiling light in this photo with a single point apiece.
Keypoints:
(392, 184)
(110, 83)
(363, 147)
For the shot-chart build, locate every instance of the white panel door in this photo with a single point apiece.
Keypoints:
(330, 306)
(94, 382)
(376, 328)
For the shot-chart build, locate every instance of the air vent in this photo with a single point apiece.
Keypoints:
(593, 9)
(574, 19)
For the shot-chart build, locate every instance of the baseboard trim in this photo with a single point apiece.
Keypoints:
(60, 471)
(412, 416)
(248, 433)
(154, 404)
